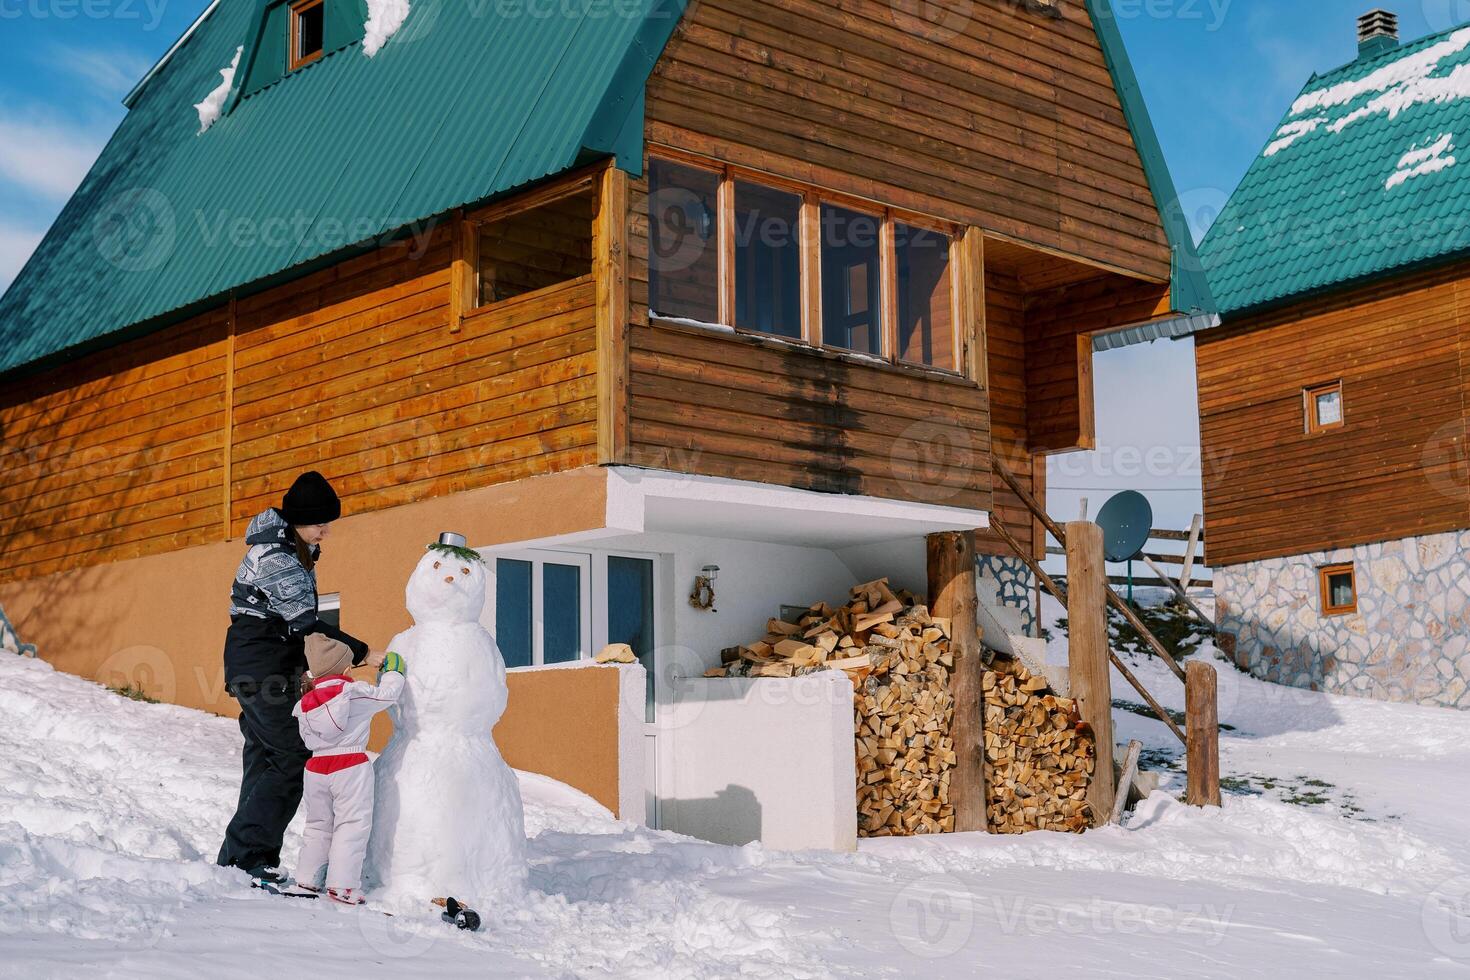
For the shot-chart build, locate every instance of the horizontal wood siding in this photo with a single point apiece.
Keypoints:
(358, 375)
(1060, 324)
(118, 455)
(352, 371)
(733, 406)
(1395, 469)
(1005, 330)
(984, 113)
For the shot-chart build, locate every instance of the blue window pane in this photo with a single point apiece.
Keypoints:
(561, 600)
(630, 612)
(513, 611)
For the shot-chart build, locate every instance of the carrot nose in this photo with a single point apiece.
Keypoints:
(449, 578)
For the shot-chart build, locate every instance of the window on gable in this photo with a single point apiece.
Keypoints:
(767, 260)
(763, 254)
(683, 233)
(308, 31)
(1324, 407)
(1339, 590)
(925, 302)
(852, 305)
(534, 248)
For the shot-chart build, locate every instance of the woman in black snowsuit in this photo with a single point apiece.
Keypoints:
(273, 607)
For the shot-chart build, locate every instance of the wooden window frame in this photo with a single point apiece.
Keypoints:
(294, 58)
(466, 277)
(811, 260)
(1309, 404)
(1325, 574)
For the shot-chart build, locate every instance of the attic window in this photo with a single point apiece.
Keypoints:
(1324, 407)
(308, 22)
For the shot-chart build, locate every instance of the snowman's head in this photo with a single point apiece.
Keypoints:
(447, 587)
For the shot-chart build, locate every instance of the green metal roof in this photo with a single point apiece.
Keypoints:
(1190, 292)
(463, 104)
(1360, 180)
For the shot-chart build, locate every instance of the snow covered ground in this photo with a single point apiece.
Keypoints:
(1340, 851)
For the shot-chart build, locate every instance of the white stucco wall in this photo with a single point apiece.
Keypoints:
(765, 759)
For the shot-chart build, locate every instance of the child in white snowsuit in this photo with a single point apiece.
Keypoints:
(335, 717)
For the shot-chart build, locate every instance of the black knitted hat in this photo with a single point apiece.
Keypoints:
(311, 500)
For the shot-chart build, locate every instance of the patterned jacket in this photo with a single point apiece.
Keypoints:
(271, 582)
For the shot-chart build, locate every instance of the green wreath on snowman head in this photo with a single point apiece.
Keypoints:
(454, 545)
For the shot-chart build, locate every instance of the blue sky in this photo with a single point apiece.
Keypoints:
(1217, 74)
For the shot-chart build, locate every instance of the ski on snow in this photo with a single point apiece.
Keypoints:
(451, 910)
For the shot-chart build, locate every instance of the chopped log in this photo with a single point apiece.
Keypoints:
(1125, 781)
(1201, 722)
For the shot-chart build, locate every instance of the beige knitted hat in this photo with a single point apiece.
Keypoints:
(326, 656)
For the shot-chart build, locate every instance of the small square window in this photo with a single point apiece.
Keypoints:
(1339, 590)
(329, 609)
(1324, 407)
(308, 31)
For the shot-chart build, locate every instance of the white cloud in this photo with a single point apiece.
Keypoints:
(46, 159)
(113, 72)
(16, 245)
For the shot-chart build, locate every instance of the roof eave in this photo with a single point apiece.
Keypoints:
(616, 127)
(1189, 290)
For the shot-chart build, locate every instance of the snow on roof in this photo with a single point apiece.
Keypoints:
(214, 102)
(385, 17)
(1428, 160)
(1358, 180)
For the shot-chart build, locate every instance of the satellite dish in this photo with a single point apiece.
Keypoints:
(1126, 520)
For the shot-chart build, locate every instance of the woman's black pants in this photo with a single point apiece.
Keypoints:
(270, 787)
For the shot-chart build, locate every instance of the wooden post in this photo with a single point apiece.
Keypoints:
(1202, 751)
(610, 266)
(1087, 632)
(228, 450)
(1125, 781)
(952, 595)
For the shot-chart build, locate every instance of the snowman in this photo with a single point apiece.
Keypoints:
(448, 819)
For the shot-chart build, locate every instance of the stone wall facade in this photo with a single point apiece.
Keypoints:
(1409, 639)
(1017, 585)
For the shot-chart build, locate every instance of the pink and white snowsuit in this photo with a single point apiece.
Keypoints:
(336, 716)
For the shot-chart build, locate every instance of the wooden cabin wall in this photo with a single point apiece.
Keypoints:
(1060, 324)
(118, 455)
(987, 113)
(735, 406)
(352, 370)
(1396, 468)
(1005, 334)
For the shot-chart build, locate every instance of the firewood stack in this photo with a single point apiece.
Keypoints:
(898, 656)
(1038, 755)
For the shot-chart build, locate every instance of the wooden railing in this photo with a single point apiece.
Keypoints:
(1087, 574)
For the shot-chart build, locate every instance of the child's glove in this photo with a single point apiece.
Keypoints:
(394, 663)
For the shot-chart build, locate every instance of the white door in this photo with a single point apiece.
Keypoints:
(625, 611)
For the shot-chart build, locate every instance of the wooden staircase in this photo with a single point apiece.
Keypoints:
(1091, 653)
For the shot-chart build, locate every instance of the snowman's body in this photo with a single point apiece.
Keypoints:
(448, 820)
